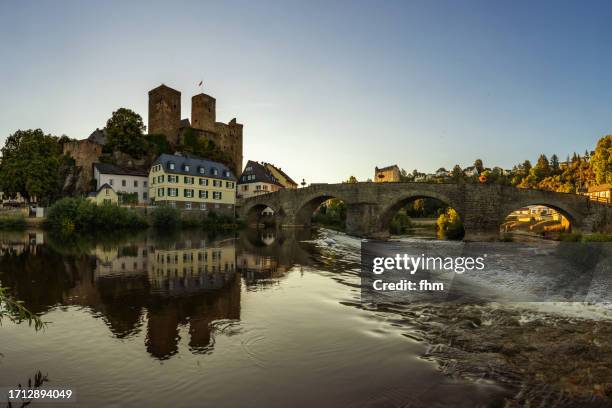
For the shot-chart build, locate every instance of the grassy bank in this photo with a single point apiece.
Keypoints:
(12, 223)
(79, 215)
(576, 237)
(165, 217)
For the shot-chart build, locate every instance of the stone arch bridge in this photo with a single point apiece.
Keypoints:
(371, 206)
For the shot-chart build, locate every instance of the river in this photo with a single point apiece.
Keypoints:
(275, 319)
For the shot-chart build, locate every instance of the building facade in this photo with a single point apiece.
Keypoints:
(601, 193)
(123, 181)
(389, 174)
(105, 195)
(256, 179)
(192, 183)
(165, 118)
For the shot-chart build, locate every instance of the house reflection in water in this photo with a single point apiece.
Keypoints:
(189, 283)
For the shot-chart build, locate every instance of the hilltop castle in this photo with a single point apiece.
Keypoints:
(165, 118)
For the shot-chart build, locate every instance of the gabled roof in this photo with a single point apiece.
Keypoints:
(262, 175)
(106, 168)
(102, 187)
(289, 179)
(600, 187)
(194, 163)
(387, 168)
(164, 87)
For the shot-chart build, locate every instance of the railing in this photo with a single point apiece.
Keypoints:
(602, 200)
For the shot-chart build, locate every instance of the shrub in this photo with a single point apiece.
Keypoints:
(165, 217)
(450, 225)
(400, 223)
(12, 223)
(78, 215)
(570, 237)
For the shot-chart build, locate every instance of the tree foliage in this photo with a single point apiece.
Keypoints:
(125, 132)
(602, 160)
(33, 165)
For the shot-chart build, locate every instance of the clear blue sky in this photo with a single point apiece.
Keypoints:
(325, 89)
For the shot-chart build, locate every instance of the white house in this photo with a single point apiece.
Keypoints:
(122, 180)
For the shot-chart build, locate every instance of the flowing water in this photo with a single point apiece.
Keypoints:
(261, 318)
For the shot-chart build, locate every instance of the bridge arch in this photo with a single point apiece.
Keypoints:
(309, 204)
(390, 210)
(572, 219)
(255, 213)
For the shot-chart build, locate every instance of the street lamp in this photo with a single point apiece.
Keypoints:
(303, 183)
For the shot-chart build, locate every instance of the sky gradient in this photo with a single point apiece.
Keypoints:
(325, 90)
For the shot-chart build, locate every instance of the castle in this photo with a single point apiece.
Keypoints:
(165, 118)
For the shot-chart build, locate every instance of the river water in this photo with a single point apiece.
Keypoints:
(265, 318)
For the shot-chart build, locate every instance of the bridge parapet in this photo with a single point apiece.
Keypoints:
(371, 206)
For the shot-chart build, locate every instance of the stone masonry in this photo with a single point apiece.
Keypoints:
(371, 206)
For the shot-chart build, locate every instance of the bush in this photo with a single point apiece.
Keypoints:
(450, 225)
(78, 215)
(570, 237)
(165, 217)
(597, 237)
(400, 223)
(12, 223)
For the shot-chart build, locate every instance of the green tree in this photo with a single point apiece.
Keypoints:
(198, 145)
(601, 161)
(541, 169)
(125, 131)
(479, 165)
(351, 180)
(33, 165)
(457, 174)
(554, 164)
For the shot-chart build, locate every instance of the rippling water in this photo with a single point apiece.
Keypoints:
(259, 319)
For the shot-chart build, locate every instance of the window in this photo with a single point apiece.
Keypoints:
(245, 187)
(106, 190)
(203, 194)
(144, 196)
(226, 173)
(202, 206)
(110, 182)
(144, 184)
(258, 187)
(203, 181)
(188, 193)
(214, 171)
(160, 192)
(172, 192)
(217, 183)
(229, 184)
(188, 206)
(188, 180)
(172, 179)
(201, 170)
(248, 169)
(160, 179)
(217, 195)
(173, 204)
(171, 165)
(186, 167)
(135, 183)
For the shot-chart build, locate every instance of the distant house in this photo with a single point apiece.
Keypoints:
(280, 175)
(471, 171)
(104, 195)
(257, 179)
(601, 193)
(442, 172)
(191, 182)
(122, 180)
(389, 174)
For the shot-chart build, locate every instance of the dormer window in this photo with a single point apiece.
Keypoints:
(226, 173)
(186, 167)
(215, 171)
(171, 165)
(201, 170)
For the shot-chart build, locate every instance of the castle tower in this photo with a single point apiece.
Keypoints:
(203, 112)
(165, 112)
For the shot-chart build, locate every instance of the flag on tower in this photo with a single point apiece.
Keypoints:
(200, 84)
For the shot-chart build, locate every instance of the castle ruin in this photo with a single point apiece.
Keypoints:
(165, 118)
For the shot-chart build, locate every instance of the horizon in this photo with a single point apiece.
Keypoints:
(419, 85)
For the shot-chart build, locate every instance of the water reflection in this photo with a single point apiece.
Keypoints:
(159, 283)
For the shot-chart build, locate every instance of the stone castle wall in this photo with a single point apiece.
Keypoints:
(85, 153)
